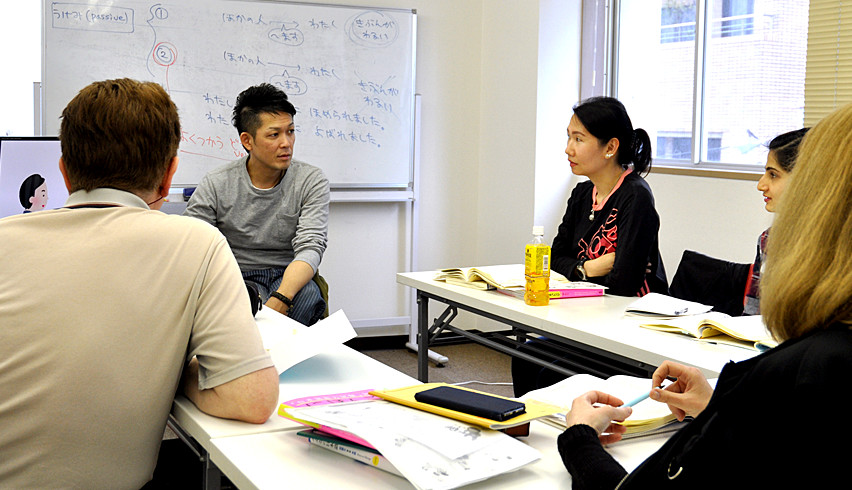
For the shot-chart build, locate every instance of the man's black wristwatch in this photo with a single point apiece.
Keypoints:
(284, 299)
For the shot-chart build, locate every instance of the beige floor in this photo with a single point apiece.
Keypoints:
(467, 362)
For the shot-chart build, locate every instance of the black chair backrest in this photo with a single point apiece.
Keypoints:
(711, 281)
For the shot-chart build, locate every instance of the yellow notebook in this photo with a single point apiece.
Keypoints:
(742, 331)
(405, 396)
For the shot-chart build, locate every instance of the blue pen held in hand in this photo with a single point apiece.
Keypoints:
(647, 394)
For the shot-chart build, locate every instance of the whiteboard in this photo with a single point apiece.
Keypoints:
(348, 70)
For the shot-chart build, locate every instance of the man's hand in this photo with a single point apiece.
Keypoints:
(296, 275)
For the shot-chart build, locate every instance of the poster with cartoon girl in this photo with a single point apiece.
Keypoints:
(29, 175)
(33, 194)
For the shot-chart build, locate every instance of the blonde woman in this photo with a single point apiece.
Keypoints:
(777, 420)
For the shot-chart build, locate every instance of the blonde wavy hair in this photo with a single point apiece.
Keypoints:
(808, 279)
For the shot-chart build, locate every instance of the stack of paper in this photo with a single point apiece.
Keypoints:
(660, 305)
(431, 451)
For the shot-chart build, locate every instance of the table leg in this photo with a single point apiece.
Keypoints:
(212, 477)
(422, 337)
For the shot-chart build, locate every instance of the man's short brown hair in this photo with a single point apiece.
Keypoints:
(120, 134)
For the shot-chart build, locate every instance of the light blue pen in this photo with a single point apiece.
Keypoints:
(646, 395)
(637, 400)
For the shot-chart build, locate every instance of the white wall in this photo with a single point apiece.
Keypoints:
(21, 41)
(718, 217)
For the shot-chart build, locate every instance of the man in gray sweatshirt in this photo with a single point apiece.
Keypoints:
(272, 209)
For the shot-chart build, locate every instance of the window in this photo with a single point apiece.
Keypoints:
(737, 18)
(679, 147)
(677, 21)
(711, 81)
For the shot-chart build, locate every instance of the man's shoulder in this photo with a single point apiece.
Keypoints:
(176, 225)
(226, 171)
(308, 170)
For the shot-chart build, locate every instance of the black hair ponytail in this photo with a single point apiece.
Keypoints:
(641, 149)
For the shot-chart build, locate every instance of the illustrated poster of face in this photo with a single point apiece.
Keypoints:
(30, 180)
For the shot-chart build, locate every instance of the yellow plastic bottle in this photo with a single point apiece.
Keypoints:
(537, 270)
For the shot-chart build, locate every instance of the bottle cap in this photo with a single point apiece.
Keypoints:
(538, 230)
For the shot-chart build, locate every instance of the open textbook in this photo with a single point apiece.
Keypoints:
(648, 415)
(490, 276)
(741, 331)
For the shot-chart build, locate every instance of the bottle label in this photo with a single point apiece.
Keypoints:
(537, 260)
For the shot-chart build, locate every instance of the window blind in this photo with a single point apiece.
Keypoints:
(828, 77)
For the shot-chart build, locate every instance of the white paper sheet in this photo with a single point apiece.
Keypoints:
(289, 342)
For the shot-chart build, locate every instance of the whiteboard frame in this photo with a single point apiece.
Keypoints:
(402, 189)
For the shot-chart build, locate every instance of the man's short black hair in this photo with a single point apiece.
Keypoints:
(256, 100)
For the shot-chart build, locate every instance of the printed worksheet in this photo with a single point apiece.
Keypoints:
(433, 452)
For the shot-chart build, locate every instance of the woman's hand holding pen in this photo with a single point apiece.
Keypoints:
(688, 395)
(599, 410)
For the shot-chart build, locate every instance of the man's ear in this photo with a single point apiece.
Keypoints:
(166, 184)
(64, 172)
(247, 140)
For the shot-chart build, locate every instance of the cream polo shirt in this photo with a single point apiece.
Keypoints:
(101, 307)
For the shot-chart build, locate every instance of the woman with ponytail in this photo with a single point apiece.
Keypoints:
(609, 232)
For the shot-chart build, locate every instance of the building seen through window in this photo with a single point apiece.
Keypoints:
(751, 67)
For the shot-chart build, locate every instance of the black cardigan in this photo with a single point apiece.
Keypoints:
(627, 224)
(778, 420)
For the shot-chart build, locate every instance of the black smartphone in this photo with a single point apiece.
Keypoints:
(479, 404)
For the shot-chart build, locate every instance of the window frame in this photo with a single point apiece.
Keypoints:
(605, 64)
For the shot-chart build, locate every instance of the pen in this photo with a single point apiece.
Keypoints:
(646, 395)
(637, 399)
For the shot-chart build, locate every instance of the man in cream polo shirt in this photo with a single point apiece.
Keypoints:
(108, 307)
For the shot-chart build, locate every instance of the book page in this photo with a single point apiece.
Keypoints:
(688, 325)
(749, 328)
(646, 414)
(501, 276)
(468, 284)
(454, 272)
